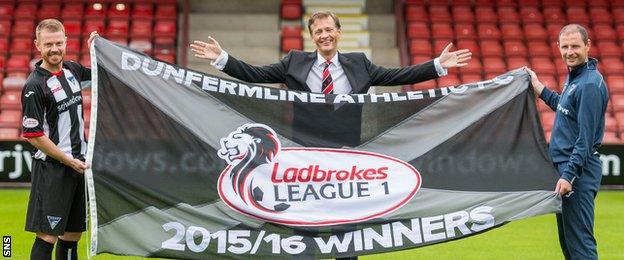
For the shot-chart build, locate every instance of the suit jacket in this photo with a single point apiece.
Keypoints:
(322, 125)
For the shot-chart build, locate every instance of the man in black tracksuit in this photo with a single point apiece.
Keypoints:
(576, 135)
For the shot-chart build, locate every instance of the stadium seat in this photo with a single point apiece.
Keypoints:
(95, 11)
(514, 48)
(9, 133)
(512, 31)
(473, 67)
(471, 45)
(610, 123)
(577, 14)
(4, 45)
(438, 46)
(485, 14)
(418, 59)
(429, 84)
(418, 30)
(494, 65)
(608, 49)
(72, 11)
(448, 80)
(143, 11)
(166, 11)
(535, 32)
(290, 11)
(73, 44)
(612, 66)
(22, 45)
(291, 43)
(10, 118)
(416, 13)
(6, 11)
(465, 31)
(542, 65)
(119, 11)
(488, 31)
(5, 28)
(420, 47)
(117, 28)
(616, 85)
(491, 48)
(618, 103)
(462, 14)
(11, 100)
(539, 48)
(547, 118)
(550, 81)
(554, 14)
(553, 31)
(292, 31)
(93, 25)
(517, 62)
(618, 14)
(141, 44)
(141, 28)
(508, 14)
(531, 14)
(73, 28)
(15, 83)
(600, 15)
(442, 31)
(165, 28)
(471, 78)
(439, 14)
(541, 106)
(25, 11)
(170, 58)
(610, 138)
(604, 32)
(24, 28)
(49, 10)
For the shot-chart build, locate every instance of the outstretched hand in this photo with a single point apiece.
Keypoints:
(206, 50)
(454, 59)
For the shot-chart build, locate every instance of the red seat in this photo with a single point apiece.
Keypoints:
(73, 44)
(418, 59)
(448, 80)
(600, 15)
(73, 27)
(550, 81)
(474, 67)
(511, 31)
(439, 14)
(541, 106)
(93, 25)
(611, 123)
(14, 82)
(416, 13)
(548, 119)
(491, 48)
(123, 40)
(542, 65)
(141, 44)
(604, 32)
(470, 45)
(442, 31)
(11, 100)
(6, 10)
(554, 15)
(608, 49)
(610, 138)
(577, 14)
(508, 14)
(292, 43)
(531, 14)
(73, 56)
(290, 11)
(165, 28)
(170, 58)
(535, 32)
(418, 30)
(24, 28)
(119, 11)
(618, 14)
(494, 65)
(291, 31)
(471, 78)
(462, 14)
(420, 47)
(465, 31)
(9, 133)
(143, 11)
(117, 28)
(22, 45)
(10, 118)
(539, 48)
(616, 85)
(5, 28)
(96, 11)
(166, 11)
(506, 3)
(141, 28)
(553, 31)
(439, 45)
(4, 45)
(25, 10)
(612, 66)
(517, 62)
(514, 48)
(618, 102)
(488, 31)
(49, 10)
(485, 14)
(72, 11)
(429, 84)
(17, 63)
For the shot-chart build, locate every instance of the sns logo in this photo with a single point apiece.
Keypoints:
(304, 186)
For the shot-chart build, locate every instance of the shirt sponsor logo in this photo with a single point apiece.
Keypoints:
(56, 88)
(562, 109)
(30, 122)
(283, 185)
(65, 105)
(29, 93)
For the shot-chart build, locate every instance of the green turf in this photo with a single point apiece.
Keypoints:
(534, 238)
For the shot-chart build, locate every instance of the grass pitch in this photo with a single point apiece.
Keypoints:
(533, 238)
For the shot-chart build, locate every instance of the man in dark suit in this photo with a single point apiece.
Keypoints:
(330, 72)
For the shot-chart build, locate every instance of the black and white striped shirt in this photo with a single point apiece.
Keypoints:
(52, 106)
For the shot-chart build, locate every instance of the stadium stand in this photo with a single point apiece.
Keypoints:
(147, 26)
(507, 34)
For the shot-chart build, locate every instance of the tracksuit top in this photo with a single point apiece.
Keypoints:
(580, 118)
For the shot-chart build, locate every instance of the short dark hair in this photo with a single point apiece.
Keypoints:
(572, 28)
(320, 15)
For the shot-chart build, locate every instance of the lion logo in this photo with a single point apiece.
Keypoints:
(250, 146)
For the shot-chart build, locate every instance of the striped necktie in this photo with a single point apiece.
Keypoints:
(327, 86)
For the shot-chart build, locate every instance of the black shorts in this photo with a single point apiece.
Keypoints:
(57, 199)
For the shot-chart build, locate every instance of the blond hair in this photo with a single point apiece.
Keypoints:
(322, 15)
(50, 25)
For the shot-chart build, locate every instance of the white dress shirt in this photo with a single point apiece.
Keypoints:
(315, 77)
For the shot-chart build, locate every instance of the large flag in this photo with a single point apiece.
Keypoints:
(190, 165)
